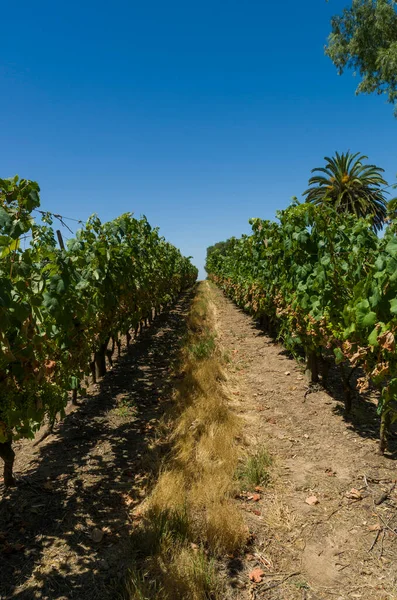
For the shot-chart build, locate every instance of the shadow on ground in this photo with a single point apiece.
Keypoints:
(363, 417)
(88, 476)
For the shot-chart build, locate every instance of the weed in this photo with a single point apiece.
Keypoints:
(227, 357)
(204, 348)
(122, 411)
(255, 470)
(302, 585)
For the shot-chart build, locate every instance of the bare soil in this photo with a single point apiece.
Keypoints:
(65, 530)
(344, 545)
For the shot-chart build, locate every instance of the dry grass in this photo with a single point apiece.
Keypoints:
(278, 516)
(191, 517)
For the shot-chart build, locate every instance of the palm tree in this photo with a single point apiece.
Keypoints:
(350, 187)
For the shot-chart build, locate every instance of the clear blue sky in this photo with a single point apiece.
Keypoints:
(198, 115)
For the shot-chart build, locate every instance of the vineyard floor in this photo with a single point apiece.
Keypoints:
(330, 546)
(81, 483)
(65, 531)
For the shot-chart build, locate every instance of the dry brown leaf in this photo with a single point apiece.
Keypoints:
(249, 557)
(380, 370)
(375, 527)
(357, 355)
(354, 494)
(127, 499)
(362, 384)
(256, 575)
(387, 341)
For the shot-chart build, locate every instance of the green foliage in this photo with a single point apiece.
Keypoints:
(255, 471)
(58, 307)
(364, 38)
(324, 282)
(349, 186)
(220, 247)
(203, 348)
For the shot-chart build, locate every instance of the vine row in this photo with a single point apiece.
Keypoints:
(60, 308)
(325, 285)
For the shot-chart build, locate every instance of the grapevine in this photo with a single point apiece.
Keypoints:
(323, 284)
(60, 307)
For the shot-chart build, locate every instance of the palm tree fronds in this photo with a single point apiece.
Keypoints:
(351, 187)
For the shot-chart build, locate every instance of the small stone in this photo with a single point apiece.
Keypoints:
(312, 500)
(97, 535)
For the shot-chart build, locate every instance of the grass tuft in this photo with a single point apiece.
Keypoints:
(204, 348)
(255, 471)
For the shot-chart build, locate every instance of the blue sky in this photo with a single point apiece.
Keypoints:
(199, 116)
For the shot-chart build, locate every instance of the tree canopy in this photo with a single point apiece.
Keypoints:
(364, 38)
(350, 186)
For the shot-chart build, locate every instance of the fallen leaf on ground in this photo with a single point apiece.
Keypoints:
(354, 494)
(375, 527)
(256, 497)
(256, 575)
(312, 500)
(127, 499)
(249, 557)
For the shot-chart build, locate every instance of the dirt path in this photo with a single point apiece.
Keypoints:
(317, 453)
(65, 530)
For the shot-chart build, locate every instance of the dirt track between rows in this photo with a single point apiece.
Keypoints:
(88, 476)
(317, 453)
